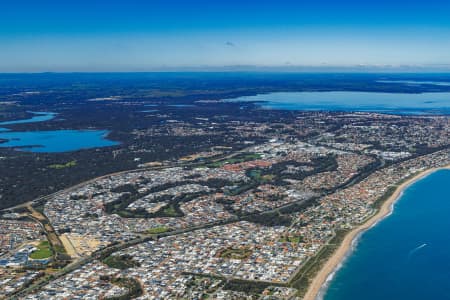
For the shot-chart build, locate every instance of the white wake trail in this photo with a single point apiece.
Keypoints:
(411, 253)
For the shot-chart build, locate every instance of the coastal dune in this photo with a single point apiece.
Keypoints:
(318, 282)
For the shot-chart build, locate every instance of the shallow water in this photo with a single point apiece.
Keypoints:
(51, 141)
(425, 103)
(38, 117)
(55, 141)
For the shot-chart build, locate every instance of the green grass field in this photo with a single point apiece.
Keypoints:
(44, 251)
(70, 164)
(156, 230)
(291, 239)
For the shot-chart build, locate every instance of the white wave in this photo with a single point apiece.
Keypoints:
(413, 251)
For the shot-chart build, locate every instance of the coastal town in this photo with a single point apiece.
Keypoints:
(244, 224)
(224, 150)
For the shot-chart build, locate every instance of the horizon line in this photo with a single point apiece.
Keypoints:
(363, 69)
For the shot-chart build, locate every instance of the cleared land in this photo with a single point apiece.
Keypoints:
(236, 253)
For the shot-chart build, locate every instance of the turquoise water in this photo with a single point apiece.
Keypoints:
(406, 255)
(51, 141)
(56, 141)
(39, 117)
(425, 103)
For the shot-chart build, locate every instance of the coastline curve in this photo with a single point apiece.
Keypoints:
(321, 280)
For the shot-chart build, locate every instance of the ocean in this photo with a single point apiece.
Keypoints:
(407, 254)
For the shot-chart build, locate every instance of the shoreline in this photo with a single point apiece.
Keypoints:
(320, 280)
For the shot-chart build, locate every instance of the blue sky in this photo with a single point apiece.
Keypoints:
(150, 35)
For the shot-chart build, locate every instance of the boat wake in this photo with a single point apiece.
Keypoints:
(413, 251)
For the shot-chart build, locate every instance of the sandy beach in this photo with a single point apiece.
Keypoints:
(330, 266)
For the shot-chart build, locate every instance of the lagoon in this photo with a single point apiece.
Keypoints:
(55, 141)
(39, 117)
(51, 141)
(399, 103)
